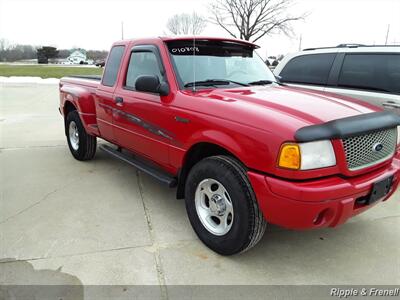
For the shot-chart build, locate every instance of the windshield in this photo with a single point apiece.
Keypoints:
(209, 61)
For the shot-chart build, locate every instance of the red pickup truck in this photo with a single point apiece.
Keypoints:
(207, 116)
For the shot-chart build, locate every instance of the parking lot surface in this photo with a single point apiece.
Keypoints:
(103, 222)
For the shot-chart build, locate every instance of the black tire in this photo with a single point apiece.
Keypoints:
(87, 143)
(248, 225)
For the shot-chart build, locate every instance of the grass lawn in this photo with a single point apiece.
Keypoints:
(47, 71)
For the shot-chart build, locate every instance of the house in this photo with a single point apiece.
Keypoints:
(78, 57)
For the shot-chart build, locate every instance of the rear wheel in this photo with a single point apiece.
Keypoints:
(82, 145)
(222, 206)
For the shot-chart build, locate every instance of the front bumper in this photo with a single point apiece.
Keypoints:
(325, 202)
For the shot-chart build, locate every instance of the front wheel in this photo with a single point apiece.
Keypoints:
(82, 145)
(222, 206)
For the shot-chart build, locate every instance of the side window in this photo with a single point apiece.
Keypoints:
(142, 63)
(112, 66)
(309, 69)
(375, 72)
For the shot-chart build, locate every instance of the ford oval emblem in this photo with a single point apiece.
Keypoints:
(377, 147)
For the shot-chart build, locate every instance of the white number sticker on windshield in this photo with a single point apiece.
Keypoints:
(185, 50)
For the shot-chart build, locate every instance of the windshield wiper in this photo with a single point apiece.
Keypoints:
(235, 82)
(262, 82)
(213, 82)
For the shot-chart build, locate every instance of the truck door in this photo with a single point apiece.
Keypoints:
(141, 118)
(104, 95)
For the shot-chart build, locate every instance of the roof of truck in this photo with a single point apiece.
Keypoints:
(197, 38)
(207, 38)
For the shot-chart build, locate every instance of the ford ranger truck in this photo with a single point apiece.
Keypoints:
(206, 115)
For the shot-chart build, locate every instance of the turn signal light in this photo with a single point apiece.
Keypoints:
(289, 157)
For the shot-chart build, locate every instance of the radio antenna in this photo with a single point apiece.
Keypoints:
(194, 65)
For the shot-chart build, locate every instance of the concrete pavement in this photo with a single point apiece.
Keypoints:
(104, 223)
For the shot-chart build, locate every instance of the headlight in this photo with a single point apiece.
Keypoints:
(307, 156)
(398, 135)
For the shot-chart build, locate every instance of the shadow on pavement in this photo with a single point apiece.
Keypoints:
(19, 280)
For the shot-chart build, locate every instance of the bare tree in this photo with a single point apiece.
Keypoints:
(253, 19)
(3, 44)
(186, 24)
(11, 52)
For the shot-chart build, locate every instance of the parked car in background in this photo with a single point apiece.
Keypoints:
(369, 73)
(100, 63)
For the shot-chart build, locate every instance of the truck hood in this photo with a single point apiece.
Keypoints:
(290, 106)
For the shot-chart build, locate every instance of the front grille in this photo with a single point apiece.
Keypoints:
(361, 151)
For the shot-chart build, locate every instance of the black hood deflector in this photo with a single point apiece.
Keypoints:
(348, 127)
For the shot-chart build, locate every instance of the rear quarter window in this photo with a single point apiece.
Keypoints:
(375, 72)
(112, 66)
(308, 69)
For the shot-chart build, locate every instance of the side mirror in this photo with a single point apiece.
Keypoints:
(151, 84)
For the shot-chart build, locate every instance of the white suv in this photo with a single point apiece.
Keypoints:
(369, 73)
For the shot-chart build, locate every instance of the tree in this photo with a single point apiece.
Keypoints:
(63, 53)
(253, 19)
(186, 24)
(3, 44)
(97, 54)
(46, 52)
(16, 52)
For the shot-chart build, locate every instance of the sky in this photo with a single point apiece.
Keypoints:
(96, 24)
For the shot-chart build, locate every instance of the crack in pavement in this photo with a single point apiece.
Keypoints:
(145, 246)
(77, 254)
(386, 217)
(157, 257)
(30, 147)
(40, 201)
(30, 206)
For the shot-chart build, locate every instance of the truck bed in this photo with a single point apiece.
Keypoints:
(83, 88)
(90, 77)
(89, 81)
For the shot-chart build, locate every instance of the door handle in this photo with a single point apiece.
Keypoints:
(391, 104)
(119, 100)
